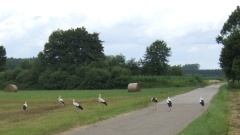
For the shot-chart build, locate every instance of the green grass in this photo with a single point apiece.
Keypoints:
(214, 121)
(45, 115)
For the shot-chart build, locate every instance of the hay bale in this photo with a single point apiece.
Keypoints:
(11, 88)
(134, 87)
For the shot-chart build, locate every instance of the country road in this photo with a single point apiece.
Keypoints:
(185, 109)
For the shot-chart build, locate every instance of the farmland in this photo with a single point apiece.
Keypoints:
(45, 115)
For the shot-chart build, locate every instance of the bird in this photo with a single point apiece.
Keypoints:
(61, 100)
(169, 102)
(102, 101)
(24, 106)
(154, 100)
(77, 104)
(201, 101)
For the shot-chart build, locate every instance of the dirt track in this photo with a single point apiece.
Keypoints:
(185, 109)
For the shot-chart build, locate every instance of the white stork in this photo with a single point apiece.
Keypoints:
(24, 106)
(61, 100)
(102, 101)
(201, 101)
(77, 105)
(169, 102)
(154, 100)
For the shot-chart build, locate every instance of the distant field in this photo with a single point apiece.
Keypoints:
(45, 115)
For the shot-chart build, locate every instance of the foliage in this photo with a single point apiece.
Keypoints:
(2, 58)
(168, 81)
(97, 79)
(155, 60)
(176, 70)
(74, 59)
(13, 63)
(31, 74)
(133, 66)
(190, 68)
(53, 80)
(230, 38)
(230, 25)
(194, 69)
(71, 47)
(118, 60)
(233, 86)
(120, 77)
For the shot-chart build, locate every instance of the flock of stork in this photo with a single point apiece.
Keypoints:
(102, 101)
(169, 102)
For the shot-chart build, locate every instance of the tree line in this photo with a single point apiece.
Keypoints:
(74, 59)
(195, 69)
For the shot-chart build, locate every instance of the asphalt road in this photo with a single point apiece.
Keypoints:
(185, 109)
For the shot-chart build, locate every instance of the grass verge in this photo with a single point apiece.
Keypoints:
(213, 121)
(234, 120)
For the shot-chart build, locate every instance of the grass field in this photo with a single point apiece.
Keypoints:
(46, 116)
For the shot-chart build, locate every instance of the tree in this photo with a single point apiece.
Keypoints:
(97, 79)
(3, 58)
(176, 70)
(71, 47)
(118, 60)
(230, 38)
(190, 68)
(236, 69)
(133, 66)
(155, 60)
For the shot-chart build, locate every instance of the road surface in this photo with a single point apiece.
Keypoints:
(185, 109)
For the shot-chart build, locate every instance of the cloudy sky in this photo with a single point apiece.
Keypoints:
(127, 27)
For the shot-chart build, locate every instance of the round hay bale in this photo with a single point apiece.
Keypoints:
(11, 88)
(134, 87)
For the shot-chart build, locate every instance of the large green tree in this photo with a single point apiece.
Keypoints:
(118, 60)
(73, 47)
(3, 58)
(190, 68)
(230, 38)
(133, 66)
(155, 60)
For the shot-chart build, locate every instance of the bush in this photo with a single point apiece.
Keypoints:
(167, 81)
(53, 80)
(96, 79)
(120, 77)
(233, 86)
(72, 82)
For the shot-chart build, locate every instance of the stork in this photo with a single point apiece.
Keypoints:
(169, 102)
(24, 106)
(61, 100)
(102, 101)
(77, 104)
(154, 100)
(201, 101)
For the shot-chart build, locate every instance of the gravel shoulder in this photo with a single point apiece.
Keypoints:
(185, 109)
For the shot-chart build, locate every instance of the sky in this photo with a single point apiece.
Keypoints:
(127, 27)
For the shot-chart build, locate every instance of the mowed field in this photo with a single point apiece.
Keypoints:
(234, 120)
(46, 116)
